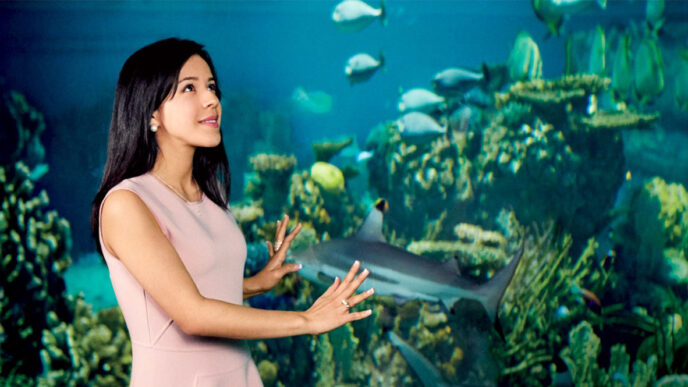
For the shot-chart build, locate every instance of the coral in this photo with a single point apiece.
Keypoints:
(22, 126)
(328, 177)
(270, 182)
(324, 151)
(318, 210)
(93, 350)
(542, 152)
(268, 372)
(545, 94)
(428, 186)
(617, 120)
(654, 232)
(249, 217)
(324, 371)
(581, 357)
(478, 253)
(544, 283)
(35, 249)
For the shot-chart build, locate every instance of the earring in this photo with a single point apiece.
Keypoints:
(154, 128)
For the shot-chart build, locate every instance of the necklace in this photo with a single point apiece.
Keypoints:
(181, 195)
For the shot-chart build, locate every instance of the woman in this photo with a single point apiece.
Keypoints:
(174, 252)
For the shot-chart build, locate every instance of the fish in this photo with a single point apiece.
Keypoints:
(597, 63)
(39, 171)
(455, 80)
(363, 155)
(525, 62)
(419, 127)
(420, 100)
(428, 374)
(681, 81)
(398, 273)
(360, 67)
(553, 12)
(355, 15)
(313, 102)
(654, 14)
(464, 118)
(622, 70)
(648, 70)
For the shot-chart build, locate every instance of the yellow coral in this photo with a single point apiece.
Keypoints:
(328, 177)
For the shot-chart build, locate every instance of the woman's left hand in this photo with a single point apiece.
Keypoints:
(275, 269)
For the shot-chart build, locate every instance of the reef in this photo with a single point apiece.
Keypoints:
(93, 350)
(35, 246)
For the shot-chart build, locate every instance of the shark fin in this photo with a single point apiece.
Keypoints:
(494, 289)
(428, 374)
(371, 230)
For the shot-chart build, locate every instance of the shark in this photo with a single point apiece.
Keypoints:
(398, 273)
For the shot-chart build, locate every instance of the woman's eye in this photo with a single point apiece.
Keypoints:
(212, 87)
(188, 87)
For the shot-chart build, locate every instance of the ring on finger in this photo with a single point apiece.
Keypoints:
(345, 303)
(278, 244)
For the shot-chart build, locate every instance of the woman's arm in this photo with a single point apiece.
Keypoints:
(131, 233)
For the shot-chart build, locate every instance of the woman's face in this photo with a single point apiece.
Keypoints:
(192, 115)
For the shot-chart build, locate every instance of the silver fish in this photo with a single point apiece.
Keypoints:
(355, 15)
(360, 67)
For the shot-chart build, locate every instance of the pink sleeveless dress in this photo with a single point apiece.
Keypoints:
(213, 250)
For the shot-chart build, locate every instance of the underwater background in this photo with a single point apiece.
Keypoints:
(562, 130)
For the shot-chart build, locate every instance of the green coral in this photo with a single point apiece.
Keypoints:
(93, 350)
(324, 151)
(581, 357)
(35, 246)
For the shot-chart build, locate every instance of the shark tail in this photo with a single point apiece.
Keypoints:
(494, 289)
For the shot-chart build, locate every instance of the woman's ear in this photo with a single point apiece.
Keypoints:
(155, 119)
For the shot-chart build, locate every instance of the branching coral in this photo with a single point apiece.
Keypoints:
(548, 279)
(92, 350)
(35, 250)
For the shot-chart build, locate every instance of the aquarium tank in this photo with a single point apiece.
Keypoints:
(529, 156)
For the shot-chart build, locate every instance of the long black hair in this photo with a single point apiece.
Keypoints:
(146, 79)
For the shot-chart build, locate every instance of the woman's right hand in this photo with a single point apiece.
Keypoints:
(331, 311)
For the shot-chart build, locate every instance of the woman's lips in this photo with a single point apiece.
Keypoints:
(210, 121)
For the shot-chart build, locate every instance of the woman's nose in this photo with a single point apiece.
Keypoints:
(211, 99)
